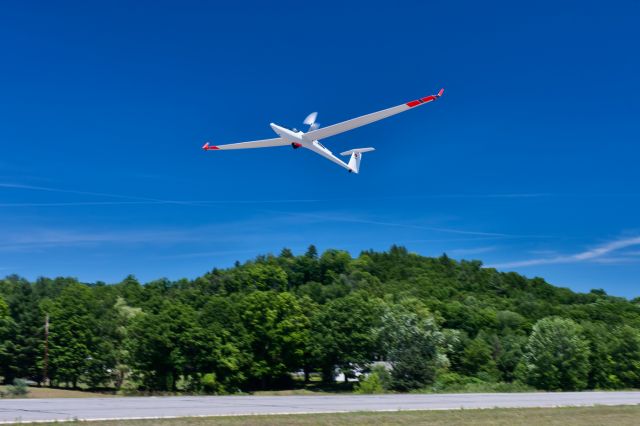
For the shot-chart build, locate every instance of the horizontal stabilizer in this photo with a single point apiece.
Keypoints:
(356, 158)
(351, 151)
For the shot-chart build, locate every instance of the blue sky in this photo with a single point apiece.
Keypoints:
(529, 162)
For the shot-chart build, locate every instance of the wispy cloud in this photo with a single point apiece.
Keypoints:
(49, 189)
(507, 195)
(134, 199)
(596, 254)
(65, 238)
(125, 203)
(152, 200)
(351, 219)
(446, 240)
(214, 253)
(73, 191)
(616, 260)
(81, 203)
(240, 234)
(471, 251)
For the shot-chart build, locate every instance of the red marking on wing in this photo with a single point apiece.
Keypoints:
(421, 101)
(208, 147)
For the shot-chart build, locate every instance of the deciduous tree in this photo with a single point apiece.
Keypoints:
(556, 356)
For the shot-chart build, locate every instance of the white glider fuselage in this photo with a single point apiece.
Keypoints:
(298, 140)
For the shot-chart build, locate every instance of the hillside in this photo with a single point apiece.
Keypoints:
(435, 322)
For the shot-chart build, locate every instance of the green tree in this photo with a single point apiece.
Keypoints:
(163, 344)
(79, 343)
(614, 356)
(556, 356)
(307, 267)
(478, 359)
(279, 333)
(6, 328)
(414, 345)
(131, 290)
(23, 349)
(312, 252)
(124, 315)
(508, 347)
(333, 263)
(603, 371)
(228, 347)
(253, 276)
(626, 354)
(344, 333)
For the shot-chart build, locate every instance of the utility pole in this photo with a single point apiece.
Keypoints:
(45, 364)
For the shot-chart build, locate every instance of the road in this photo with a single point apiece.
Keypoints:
(12, 410)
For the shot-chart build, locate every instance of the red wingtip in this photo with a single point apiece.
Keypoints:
(208, 147)
(440, 92)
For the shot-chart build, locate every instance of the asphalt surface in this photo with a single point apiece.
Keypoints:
(27, 410)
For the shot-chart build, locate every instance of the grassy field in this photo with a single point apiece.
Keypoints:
(601, 415)
(35, 392)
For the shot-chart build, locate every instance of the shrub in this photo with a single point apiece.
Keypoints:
(370, 384)
(454, 382)
(19, 388)
(378, 381)
(210, 384)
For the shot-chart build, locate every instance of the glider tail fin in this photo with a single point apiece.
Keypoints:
(356, 157)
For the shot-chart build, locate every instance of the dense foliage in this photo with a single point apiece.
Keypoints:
(423, 322)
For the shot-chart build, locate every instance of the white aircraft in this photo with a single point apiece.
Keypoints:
(314, 134)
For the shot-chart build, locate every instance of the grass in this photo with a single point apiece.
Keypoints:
(572, 416)
(36, 392)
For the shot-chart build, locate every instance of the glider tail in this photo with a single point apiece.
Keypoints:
(356, 157)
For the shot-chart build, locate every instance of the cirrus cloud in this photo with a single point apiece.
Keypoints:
(595, 254)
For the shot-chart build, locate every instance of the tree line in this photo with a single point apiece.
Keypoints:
(431, 323)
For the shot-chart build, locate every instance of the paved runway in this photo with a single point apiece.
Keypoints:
(12, 410)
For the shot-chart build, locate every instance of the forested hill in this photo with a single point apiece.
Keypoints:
(434, 321)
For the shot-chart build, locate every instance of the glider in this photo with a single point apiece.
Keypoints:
(311, 139)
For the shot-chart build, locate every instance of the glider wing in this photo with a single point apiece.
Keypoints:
(264, 143)
(345, 126)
